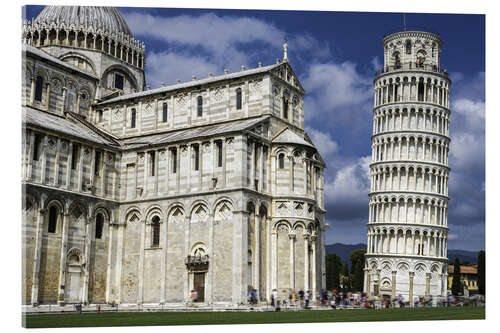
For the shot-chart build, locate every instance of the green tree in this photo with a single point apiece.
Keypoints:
(333, 269)
(481, 272)
(357, 269)
(456, 284)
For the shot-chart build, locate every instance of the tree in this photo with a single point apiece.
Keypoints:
(333, 269)
(481, 272)
(357, 269)
(456, 284)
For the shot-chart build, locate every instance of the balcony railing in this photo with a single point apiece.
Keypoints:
(412, 66)
(200, 260)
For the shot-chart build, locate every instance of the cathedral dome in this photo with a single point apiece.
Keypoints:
(98, 18)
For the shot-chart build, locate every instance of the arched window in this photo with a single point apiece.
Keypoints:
(421, 58)
(99, 224)
(165, 112)
(408, 47)
(285, 108)
(132, 118)
(38, 88)
(52, 220)
(397, 60)
(238, 99)
(281, 160)
(155, 239)
(421, 91)
(200, 106)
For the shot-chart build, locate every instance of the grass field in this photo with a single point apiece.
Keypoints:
(219, 318)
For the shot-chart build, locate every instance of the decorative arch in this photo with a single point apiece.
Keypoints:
(199, 246)
(199, 212)
(72, 54)
(155, 210)
(124, 70)
(74, 253)
(176, 213)
(223, 210)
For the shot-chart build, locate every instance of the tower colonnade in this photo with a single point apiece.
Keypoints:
(408, 199)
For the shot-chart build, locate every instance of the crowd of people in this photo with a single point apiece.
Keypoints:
(349, 300)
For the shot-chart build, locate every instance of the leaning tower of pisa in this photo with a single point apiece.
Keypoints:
(407, 227)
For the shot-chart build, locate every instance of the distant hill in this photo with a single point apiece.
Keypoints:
(344, 251)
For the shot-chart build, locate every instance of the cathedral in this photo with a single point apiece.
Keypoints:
(137, 196)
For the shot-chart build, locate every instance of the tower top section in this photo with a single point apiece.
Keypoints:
(410, 50)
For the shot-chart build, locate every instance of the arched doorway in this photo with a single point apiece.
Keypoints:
(74, 277)
(197, 265)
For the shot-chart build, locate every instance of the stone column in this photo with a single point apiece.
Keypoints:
(274, 258)
(211, 255)
(291, 236)
(140, 291)
(87, 255)
(164, 234)
(394, 284)
(313, 265)
(62, 262)
(32, 90)
(306, 261)
(109, 262)
(412, 274)
(290, 180)
(427, 283)
(43, 162)
(38, 253)
(368, 283)
(256, 270)
(47, 96)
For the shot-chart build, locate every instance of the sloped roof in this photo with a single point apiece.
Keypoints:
(192, 83)
(463, 269)
(287, 137)
(190, 133)
(48, 57)
(63, 125)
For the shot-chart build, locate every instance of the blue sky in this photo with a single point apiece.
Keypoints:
(335, 55)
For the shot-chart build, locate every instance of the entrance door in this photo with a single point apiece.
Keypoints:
(199, 286)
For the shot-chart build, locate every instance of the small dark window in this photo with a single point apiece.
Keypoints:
(38, 88)
(156, 231)
(152, 164)
(165, 112)
(408, 47)
(200, 106)
(52, 219)
(99, 224)
(119, 81)
(285, 109)
(97, 166)
(99, 115)
(196, 158)
(36, 147)
(219, 153)
(174, 160)
(74, 157)
(238, 99)
(132, 118)
(281, 160)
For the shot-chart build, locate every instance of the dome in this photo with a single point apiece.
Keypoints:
(102, 18)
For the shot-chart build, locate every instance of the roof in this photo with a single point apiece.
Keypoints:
(464, 269)
(190, 133)
(63, 125)
(99, 18)
(287, 136)
(48, 57)
(192, 83)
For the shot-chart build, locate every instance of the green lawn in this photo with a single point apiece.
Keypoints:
(208, 318)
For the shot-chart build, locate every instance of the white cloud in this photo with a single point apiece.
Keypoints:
(351, 183)
(324, 142)
(168, 67)
(335, 88)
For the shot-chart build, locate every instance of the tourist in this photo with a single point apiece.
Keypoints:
(306, 299)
